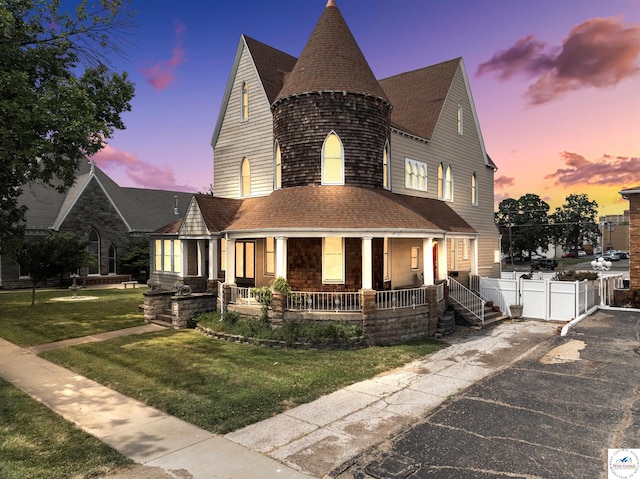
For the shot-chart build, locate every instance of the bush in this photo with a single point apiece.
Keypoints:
(280, 285)
(630, 298)
(571, 275)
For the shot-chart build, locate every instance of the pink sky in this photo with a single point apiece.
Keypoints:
(556, 84)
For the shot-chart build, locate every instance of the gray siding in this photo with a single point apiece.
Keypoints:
(464, 154)
(193, 224)
(238, 139)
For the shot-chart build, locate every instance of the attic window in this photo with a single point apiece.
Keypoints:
(474, 189)
(278, 167)
(245, 177)
(244, 116)
(415, 175)
(385, 167)
(332, 161)
(460, 119)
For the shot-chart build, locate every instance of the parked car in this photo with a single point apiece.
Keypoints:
(572, 254)
(536, 256)
(548, 263)
(623, 254)
(611, 256)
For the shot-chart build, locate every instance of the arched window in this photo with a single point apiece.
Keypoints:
(441, 181)
(460, 119)
(332, 161)
(385, 167)
(408, 181)
(278, 167)
(474, 189)
(245, 177)
(448, 184)
(422, 179)
(94, 250)
(112, 259)
(244, 116)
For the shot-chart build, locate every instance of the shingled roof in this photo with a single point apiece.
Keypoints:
(331, 207)
(331, 61)
(272, 66)
(418, 97)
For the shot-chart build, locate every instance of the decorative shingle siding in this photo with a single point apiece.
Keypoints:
(302, 123)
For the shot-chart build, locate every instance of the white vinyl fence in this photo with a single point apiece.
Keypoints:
(550, 300)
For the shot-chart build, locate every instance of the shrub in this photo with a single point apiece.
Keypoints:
(280, 285)
(570, 275)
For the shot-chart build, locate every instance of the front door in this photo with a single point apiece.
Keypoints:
(245, 263)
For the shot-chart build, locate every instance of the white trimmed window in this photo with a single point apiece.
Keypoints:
(244, 115)
(460, 119)
(333, 260)
(167, 256)
(386, 183)
(332, 160)
(278, 167)
(474, 190)
(448, 184)
(245, 177)
(440, 181)
(415, 258)
(269, 256)
(415, 175)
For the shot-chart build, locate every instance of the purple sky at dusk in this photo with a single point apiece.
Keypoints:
(556, 83)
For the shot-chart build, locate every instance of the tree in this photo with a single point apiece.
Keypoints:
(136, 259)
(575, 222)
(525, 224)
(53, 255)
(59, 100)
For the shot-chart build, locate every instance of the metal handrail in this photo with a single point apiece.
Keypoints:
(491, 293)
(467, 299)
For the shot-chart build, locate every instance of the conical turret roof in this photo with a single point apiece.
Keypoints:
(331, 61)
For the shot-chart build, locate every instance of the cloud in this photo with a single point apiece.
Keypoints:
(598, 53)
(503, 181)
(605, 171)
(161, 74)
(144, 174)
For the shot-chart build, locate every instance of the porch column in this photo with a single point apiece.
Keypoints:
(201, 259)
(367, 263)
(281, 257)
(230, 273)
(442, 258)
(184, 264)
(427, 261)
(213, 259)
(474, 255)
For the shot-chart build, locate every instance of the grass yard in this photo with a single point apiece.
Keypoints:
(222, 386)
(36, 443)
(49, 321)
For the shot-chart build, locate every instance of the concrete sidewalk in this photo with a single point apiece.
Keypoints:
(309, 440)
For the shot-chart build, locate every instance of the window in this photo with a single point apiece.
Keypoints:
(167, 255)
(385, 261)
(452, 254)
(440, 181)
(385, 167)
(332, 161)
(245, 177)
(270, 256)
(94, 251)
(223, 254)
(465, 248)
(448, 184)
(333, 260)
(278, 166)
(415, 258)
(460, 119)
(474, 190)
(112, 260)
(244, 116)
(245, 259)
(415, 175)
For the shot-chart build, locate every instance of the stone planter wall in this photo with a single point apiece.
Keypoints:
(184, 308)
(156, 302)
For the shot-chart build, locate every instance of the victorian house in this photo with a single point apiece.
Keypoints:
(336, 180)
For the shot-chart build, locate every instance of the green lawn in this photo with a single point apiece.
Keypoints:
(36, 443)
(222, 386)
(49, 321)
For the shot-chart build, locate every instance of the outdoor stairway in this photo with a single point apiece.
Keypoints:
(165, 318)
(491, 317)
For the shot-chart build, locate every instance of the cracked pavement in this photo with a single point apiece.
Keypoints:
(318, 437)
(552, 414)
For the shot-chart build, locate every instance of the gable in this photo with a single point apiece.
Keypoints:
(193, 223)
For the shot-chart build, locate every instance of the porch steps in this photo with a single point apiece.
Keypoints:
(491, 317)
(164, 319)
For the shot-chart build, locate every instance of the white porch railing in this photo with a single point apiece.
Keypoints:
(467, 299)
(402, 298)
(242, 295)
(323, 301)
(440, 291)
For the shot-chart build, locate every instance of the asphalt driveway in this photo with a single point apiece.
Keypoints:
(553, 414)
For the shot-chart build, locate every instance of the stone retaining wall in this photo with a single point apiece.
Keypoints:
(184, 308)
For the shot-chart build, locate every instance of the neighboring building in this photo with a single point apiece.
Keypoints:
(99, 211)
(335, 180)
(633, 195)
(614, 232)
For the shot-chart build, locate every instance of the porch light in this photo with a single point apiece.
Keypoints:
(601, 264)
